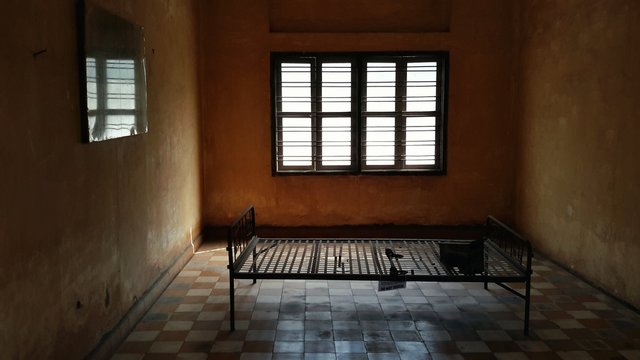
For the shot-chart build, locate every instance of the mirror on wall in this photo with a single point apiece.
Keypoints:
(113, 85)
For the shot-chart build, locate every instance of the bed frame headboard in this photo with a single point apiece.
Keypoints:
(241, 235)
(510, 242)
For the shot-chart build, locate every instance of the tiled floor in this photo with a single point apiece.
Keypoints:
(336, 320)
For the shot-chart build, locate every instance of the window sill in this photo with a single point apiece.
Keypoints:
(377, 172)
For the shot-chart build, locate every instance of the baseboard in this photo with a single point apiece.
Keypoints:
(114, 337)
(364, 231)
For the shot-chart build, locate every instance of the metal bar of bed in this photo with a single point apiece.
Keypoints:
(507, 259)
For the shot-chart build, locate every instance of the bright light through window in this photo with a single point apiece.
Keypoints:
(381, 86)
(421, 86)
(420, 140)
(380, 141)
(296, 141)
(296, 87)
(336, 141)
(336, 87)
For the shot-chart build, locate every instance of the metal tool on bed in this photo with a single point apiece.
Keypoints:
(500, 256)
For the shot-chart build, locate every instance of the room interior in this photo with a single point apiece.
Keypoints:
(540, 133)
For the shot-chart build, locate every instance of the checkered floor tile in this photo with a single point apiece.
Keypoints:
(351, 320)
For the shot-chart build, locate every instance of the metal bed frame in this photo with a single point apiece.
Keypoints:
(507, 259)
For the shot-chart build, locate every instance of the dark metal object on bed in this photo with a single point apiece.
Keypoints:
(468, 256)
(504, 257)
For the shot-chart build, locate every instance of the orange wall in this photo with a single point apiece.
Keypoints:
(80, 220)
(578, 191)
(235, 49)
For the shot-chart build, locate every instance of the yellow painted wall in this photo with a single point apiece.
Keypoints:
(80, 220)
(236, 46)
(578, 192)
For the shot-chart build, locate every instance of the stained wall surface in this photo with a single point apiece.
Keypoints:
(85, 229)
(578, 177)
(236, 45)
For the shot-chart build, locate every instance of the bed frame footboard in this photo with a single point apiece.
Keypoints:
(517, 250)
(241, 241)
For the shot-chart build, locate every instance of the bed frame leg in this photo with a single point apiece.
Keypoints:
(486, 285)
(232, 302)
(254, 264)
(527, 305)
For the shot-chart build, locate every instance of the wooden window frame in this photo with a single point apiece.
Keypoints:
(358, 114)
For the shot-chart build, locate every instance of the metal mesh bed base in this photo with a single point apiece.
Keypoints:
(365, 259)
(500, 256)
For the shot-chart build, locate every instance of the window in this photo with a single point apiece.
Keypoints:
(359, 113)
